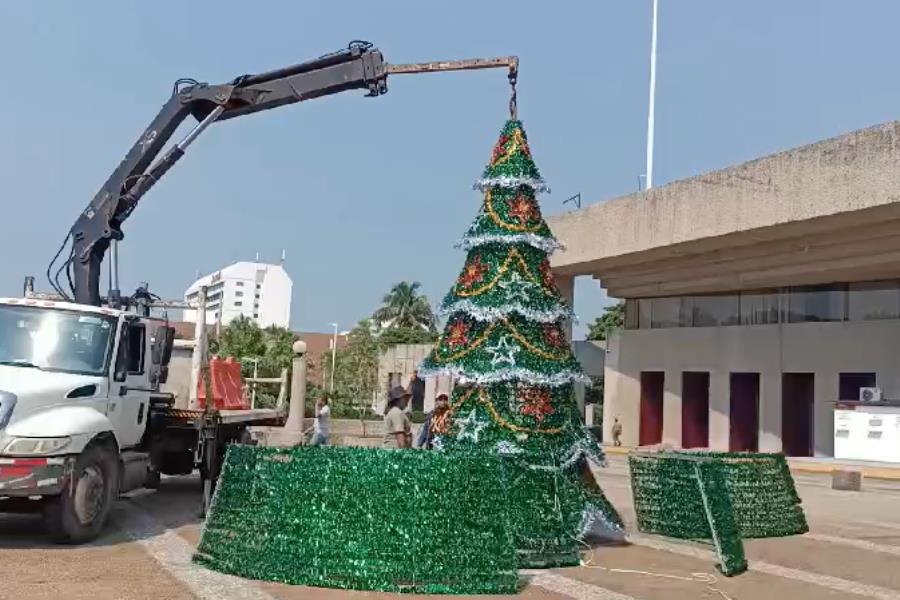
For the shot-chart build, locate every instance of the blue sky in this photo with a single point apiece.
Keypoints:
(363, 193)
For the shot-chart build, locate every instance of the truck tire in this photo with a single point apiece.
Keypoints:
(80, 512)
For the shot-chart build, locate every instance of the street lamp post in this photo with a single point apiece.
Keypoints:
(333, 354)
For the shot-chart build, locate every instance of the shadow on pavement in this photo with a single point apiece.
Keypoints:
(175, 504)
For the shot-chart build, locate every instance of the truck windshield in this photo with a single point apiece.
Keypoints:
(55, 340)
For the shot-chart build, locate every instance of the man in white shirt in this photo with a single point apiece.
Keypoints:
(322, 426)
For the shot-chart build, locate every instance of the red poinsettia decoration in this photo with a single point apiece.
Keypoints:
(499, 149)
(553, 336)
(522, 143)
(472, 273)
(536, 403)
(546, 274)
(457, 334)
(522, 209)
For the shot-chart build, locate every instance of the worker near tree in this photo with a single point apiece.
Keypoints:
(436, 422)
(397, 428)
(322, 425)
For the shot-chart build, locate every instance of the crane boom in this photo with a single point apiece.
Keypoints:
(359, 66)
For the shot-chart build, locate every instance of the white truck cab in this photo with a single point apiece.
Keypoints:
(76, 387)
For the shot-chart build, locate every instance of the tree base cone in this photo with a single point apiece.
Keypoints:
(598, 535)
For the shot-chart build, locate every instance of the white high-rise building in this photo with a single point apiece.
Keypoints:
(256, 290)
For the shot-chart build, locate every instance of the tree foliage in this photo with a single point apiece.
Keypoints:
(269, 349)
(393, 336)
(405, 308)
(355, 373)
(613, 318)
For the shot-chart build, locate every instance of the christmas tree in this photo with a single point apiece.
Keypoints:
(506, 346)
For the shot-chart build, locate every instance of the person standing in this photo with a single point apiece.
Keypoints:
(435, 423)
(617, 432)
(396, 424)
(322, 425)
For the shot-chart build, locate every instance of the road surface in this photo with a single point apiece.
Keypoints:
(852, 551)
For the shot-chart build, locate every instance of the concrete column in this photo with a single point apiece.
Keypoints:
(719, 409)
(825, 394)
(431, 392)
(672, 408)
(566, 285)
(294, 424)
(578, 390)
(770, 412)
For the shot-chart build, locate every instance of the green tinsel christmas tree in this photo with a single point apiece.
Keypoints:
(505, 344)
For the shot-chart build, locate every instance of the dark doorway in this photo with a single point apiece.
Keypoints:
(694, 409)
(797, 398)
(744, 415)
(417, 389)
(651, 425)
(849, 384)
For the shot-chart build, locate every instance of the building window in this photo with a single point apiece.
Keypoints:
(850, 383)
(258, 286)
(873, 300)
(712, 311)
(239, 283)
(255, 315)
(665, 312)
(238, 303)
(816, 303)
(239, 294)
(632, 314)
(759, 308)
(257, 296)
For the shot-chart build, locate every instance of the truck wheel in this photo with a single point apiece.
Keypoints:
(80, 512)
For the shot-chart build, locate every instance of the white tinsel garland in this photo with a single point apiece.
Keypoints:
(487, 313)
(507, 374)
(547, 244)
(538, 185)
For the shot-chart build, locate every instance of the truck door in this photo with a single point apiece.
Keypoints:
(129, 396)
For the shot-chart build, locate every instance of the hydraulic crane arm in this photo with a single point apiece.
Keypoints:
(360, 66)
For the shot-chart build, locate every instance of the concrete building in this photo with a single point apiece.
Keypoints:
(397, 366)
(757, 296)
(256, 290)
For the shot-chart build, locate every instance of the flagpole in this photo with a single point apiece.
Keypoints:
(652, 104)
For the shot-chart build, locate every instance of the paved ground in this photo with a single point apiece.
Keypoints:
(853, 551)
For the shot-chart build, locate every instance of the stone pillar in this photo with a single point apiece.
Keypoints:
(294, 425)
(719, 409)
(566, 285)
(672, 394)
(770, 412)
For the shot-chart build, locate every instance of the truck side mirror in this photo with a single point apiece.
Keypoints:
(168, 344)
(121, 369)
(165, 340)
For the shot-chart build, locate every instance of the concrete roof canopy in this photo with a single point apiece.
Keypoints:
(821, 213)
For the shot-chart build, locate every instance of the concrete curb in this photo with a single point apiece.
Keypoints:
(868, 472)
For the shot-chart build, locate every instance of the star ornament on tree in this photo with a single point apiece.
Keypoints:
(504, 351)
(536, 404)
(470, 427)
(515, 287)
(457, 334)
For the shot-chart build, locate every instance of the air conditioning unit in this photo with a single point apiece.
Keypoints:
(870, 394)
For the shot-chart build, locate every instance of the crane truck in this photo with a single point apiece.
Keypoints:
(83, 414)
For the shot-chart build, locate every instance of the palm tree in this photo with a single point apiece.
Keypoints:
(405, 308)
